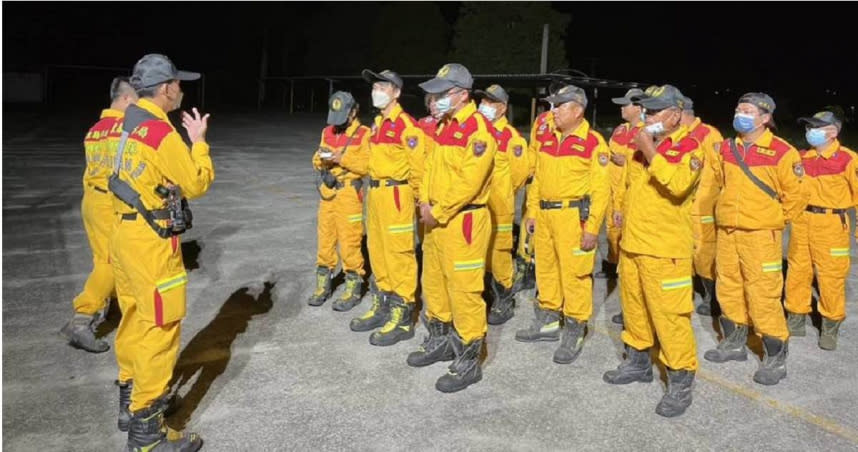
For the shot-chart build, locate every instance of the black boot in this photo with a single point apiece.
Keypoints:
(436, 346)
(351, 295)
(572, 341)
(147, 432)
(399, 327)
(828, 334)
(796, 324)
(705, 307)
(377, 314)
(773, 366)
(465, 369)
(636, 367)
(124, 402)
(609, 271)
(732, 346)
(678, 396)
(81, 334)
(503, 305)
(618, 318)
(545, 326)
(323, 287)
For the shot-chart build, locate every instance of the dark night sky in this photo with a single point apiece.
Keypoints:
(700, 47)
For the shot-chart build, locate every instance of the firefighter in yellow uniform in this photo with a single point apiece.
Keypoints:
(622, 147)
(395, 170)
(703, 207)
(456, 188)
(96, 208)
(820, 239)
(428, 124)
(155, 171)
(758, 176)
(342, 160)
(524, 277)
(655, 252)
(510, 172)
(570, 194)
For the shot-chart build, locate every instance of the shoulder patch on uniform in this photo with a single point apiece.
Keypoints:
(518, 150)
(479, 147)
(695, 163)
(411, 141)
(798, 169)
(603, 158)
(151, 132)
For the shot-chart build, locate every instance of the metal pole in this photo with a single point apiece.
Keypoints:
(543, 61)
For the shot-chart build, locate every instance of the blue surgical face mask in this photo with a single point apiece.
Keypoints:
(443, 104)
(488, 111)
(744, 123)
(816, 137)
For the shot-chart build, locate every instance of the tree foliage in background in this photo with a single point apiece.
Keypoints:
(507, 38)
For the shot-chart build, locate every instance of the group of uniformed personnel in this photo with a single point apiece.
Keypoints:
(139, 175)
(680, 201)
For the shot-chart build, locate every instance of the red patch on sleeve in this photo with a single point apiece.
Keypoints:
(467, 226)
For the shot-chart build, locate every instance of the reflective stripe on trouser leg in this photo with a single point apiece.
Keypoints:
(829, 247)
(799, 278)
(500, 255)
(98, 222)
(704, 246)
(326, 233)
(464, 243)
(575, 267)
(729, 283)
(435, 292)
(393, 208)
(547, 264)
(350, 229)
(638, 331)
(668, 295)
(761, 260)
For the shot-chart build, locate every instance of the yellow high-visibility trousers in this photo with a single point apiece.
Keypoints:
(341, 223)
(613, 233)
(564, 272)
(390, 239)
(454, 258)
(750, 280)
(656, 295)
(703, 228)
(151, 284)
(98, 222)
(818, 242)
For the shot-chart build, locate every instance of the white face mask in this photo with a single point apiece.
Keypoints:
(655, 129)
(488, 111)
(380, 99)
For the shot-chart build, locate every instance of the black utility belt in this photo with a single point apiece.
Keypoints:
(471, 207)
(550, 205)
(356, 183)
(160, 214)
(823, 210)
(375, 183)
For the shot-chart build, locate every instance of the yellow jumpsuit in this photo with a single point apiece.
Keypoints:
(820, 240)
(341, 209)
(502, 201)
(567, 169)
(621, 144)
(656, 292)
(544, 121)
(150, 275)
(703, 206)
(748, 259)
(395, 169)
(457, 183)
(97, 210)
